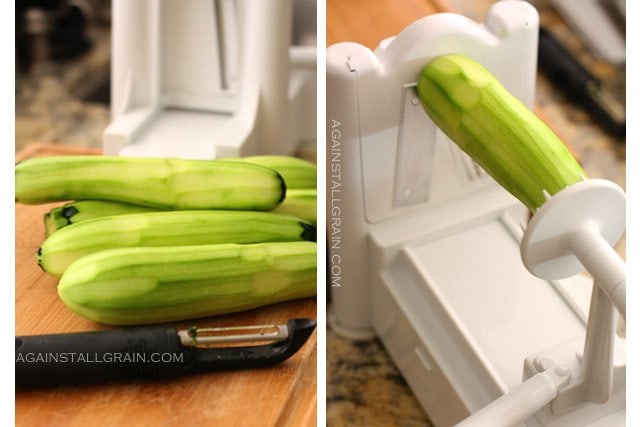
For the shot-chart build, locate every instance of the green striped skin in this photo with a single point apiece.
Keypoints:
(301, 203)
(496, 130)
(157, 182)
(170, 228)
(130, 286)
(297, 173)
(75, 212)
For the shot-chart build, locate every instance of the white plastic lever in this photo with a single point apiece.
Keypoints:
(575, 230)
(603, 263)
(522, 402)
(599, 347)
(595, 384)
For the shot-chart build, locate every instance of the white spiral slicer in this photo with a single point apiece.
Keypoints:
(207, 79)
(486, 312)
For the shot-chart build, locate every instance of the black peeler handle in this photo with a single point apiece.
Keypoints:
(91, 357)
(139, 353)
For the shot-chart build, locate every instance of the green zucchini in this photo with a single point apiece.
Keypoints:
(82, 210)
(170, 228)
(301, 203)
(496, 130)
(158, 182)
(297, 173)
(129, 286)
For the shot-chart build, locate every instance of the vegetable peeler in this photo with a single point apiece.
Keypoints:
(153, 352)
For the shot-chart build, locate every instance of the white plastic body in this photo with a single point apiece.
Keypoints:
(206, 79)
(436, 273)
(365, 102)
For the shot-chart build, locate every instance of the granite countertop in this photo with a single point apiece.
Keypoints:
(51, 105)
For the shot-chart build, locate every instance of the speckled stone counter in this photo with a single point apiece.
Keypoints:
(364, 388)
(49, 100)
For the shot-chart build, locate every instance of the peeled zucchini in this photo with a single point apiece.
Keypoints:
(141, 285)
(75, 212)
(496, 130)
(301, 203)
(157, 182)
(297, 173)
(169, 228)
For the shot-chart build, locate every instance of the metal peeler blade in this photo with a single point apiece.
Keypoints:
(255, 356)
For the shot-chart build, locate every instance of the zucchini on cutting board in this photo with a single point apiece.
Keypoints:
(271, 397)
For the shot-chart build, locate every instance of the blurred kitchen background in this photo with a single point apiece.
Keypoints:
(62, 76)
(63, 52)
(63, 60)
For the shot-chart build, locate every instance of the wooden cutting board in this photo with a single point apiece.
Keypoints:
(282, 395)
